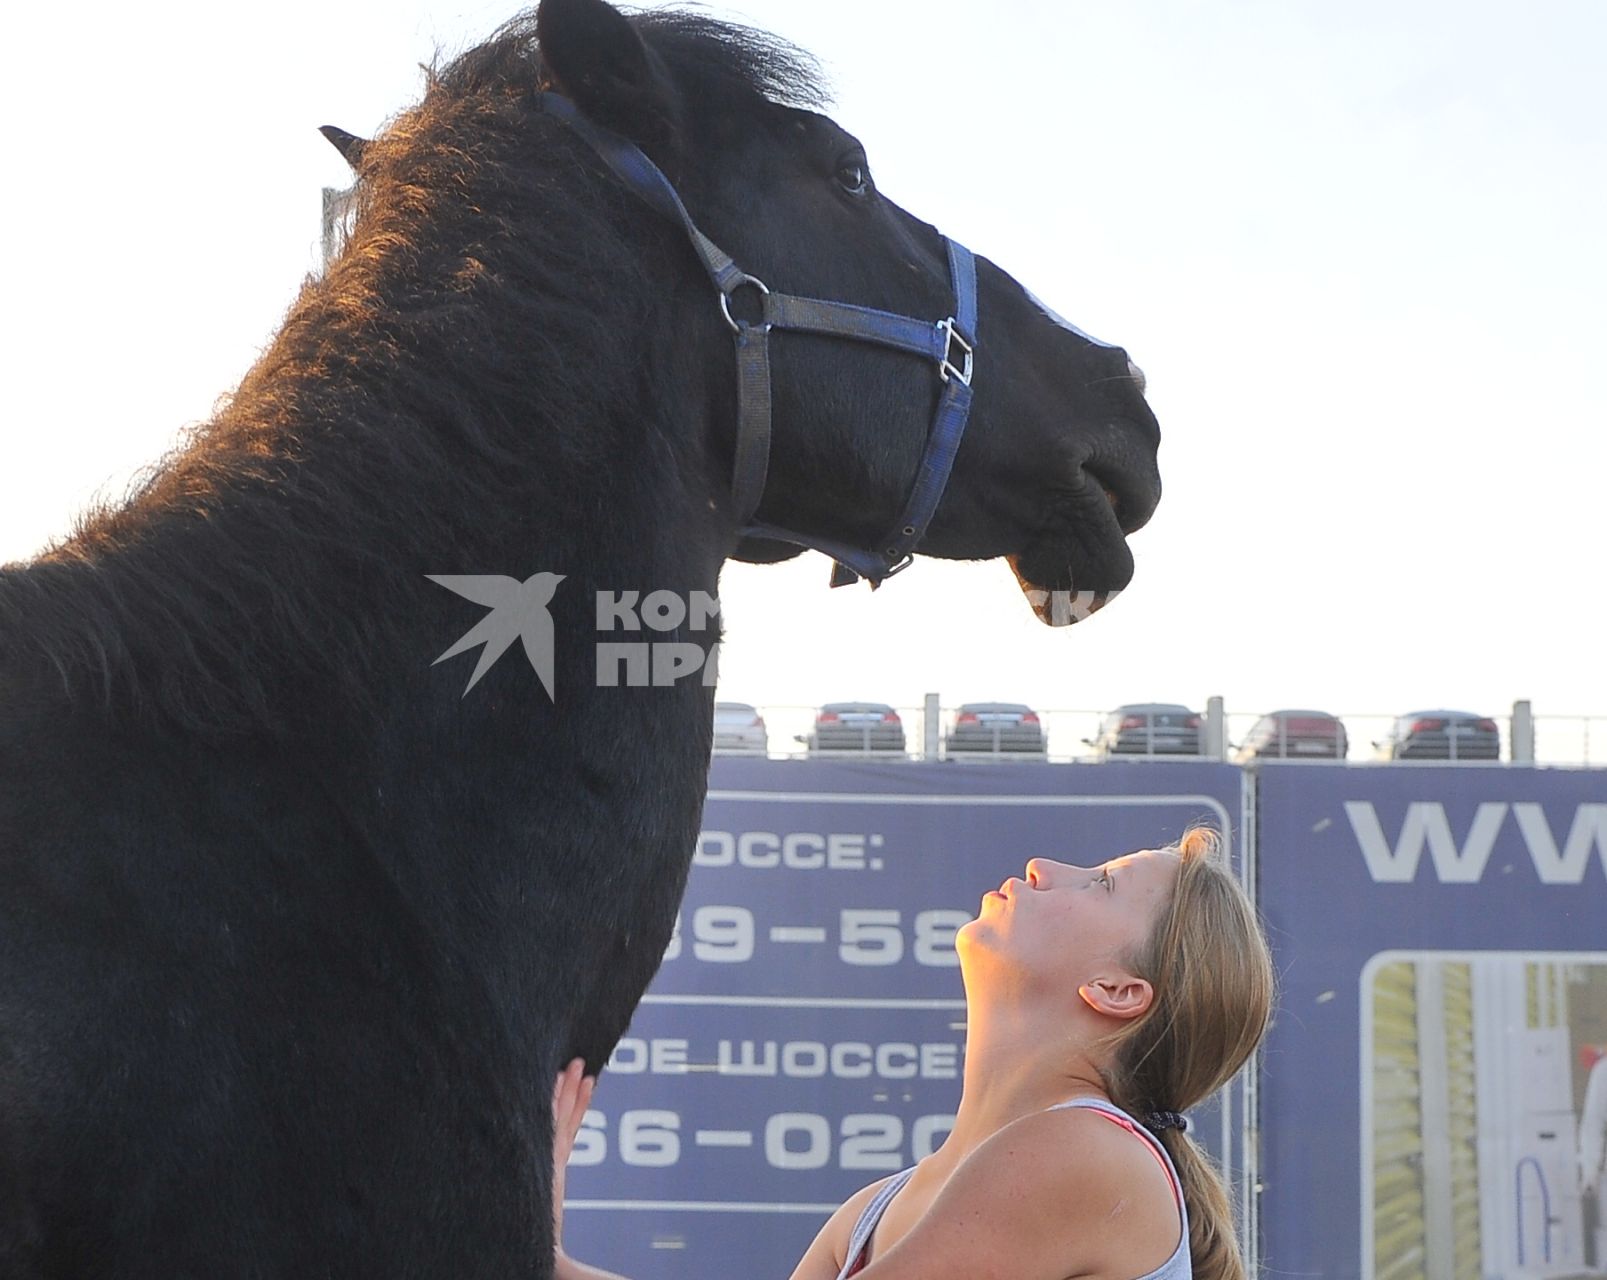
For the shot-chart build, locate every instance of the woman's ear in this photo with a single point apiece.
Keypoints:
(1120, 996)
(592, 55)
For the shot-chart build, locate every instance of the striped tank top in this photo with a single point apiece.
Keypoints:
(1177, 1267)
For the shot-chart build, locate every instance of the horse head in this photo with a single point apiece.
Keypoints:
(1056, 465)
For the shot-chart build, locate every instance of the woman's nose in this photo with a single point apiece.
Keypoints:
(1042, 870)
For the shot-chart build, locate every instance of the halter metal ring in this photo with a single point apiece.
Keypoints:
(737, 326)
(946, 368)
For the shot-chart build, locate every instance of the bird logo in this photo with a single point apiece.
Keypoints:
(518, 612)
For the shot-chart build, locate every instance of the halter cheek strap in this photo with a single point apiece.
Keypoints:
(950, 345)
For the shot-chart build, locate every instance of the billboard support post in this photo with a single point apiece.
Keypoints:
(1523, 732)
(1216, 733)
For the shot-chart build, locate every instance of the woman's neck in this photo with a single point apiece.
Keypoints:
(1015, 1068)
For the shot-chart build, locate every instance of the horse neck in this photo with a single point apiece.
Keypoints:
(273, 574)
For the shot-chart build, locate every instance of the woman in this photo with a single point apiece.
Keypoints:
(1103, 1002)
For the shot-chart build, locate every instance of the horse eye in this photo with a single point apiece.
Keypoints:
(852, 178)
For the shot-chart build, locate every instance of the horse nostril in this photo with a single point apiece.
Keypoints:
(1137, 375)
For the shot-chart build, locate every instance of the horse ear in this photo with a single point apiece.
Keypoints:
(349, 145)
(594, 56)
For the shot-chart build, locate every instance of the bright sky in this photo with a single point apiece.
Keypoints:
(1358, 249)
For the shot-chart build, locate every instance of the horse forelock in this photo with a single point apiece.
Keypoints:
(732, 60)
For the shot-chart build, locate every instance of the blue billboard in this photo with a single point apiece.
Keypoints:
(1441, 937)
(806, 1033)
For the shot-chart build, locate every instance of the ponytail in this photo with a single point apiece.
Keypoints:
(1211, 972)
(1213, 1245)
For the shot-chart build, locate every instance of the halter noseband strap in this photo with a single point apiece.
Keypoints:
(949, 344)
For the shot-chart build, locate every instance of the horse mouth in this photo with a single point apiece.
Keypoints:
(1079, 561)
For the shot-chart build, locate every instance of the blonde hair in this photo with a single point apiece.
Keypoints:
(1212, 975)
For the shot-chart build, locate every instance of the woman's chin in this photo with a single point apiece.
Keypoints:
(975, 939)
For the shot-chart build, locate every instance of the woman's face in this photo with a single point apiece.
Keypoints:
(1069, 924)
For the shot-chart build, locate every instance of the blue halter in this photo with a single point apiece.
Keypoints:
(949, 344)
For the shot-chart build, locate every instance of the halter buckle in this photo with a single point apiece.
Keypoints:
(737, 326)
(946, 368)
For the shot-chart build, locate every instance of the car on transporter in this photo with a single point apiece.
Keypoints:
(1146, 729)
(994, 728)
(1295, 735)
(1441, 735)
(739, 730)
(858, 727)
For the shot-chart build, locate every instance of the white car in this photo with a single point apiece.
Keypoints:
(739, 730)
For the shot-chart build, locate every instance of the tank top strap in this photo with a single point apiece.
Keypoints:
(866, 1226)
(1117, 1116)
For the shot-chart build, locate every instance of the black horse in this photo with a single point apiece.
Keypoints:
(294, 932)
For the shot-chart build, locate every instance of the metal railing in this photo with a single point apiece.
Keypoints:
(1071, 735)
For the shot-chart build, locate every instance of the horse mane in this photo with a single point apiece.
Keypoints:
(389, 408)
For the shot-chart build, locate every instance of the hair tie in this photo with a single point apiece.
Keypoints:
(1160, 1120)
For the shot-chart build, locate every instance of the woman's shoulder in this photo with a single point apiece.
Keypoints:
(1111, 1190)
(1073, 1145)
